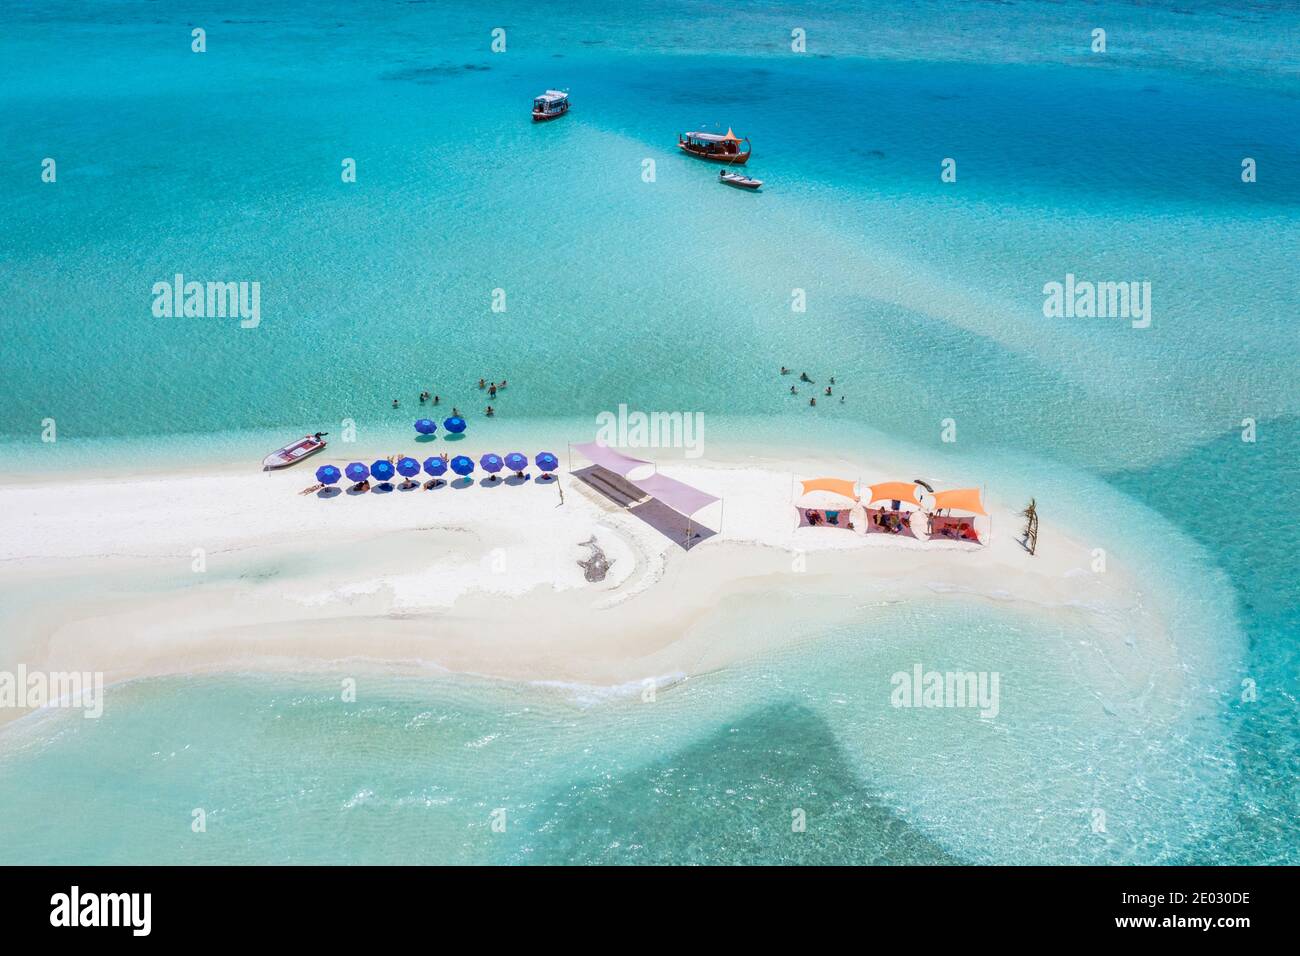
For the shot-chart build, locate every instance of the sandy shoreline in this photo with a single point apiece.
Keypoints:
(480, 580)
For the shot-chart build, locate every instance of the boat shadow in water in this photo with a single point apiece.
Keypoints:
(677, 528)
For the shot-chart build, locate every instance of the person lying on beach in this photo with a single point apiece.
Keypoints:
(314, 488)
(521, 476)
(363, 487)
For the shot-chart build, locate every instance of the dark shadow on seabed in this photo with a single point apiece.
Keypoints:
(1242, 502)
(730, 799)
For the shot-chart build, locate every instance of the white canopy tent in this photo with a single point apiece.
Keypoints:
(686, 500)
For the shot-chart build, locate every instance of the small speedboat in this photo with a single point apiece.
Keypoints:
(739, 181)
(293, 453)
(550, 105)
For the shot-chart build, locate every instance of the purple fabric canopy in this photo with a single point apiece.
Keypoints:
(683, 498)
(610, 459)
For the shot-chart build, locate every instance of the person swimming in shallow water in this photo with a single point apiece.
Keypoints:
(803, 377)
(793, 390)
(489, 412)
(395, 403)
(813, 400)
(482, 383)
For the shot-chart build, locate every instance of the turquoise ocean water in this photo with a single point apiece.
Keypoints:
(924, 299)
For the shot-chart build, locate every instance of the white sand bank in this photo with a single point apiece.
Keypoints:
(484, 579)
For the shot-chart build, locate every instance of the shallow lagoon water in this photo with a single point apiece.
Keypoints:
(923, 299)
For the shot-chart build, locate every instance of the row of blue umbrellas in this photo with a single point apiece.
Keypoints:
(383, 469)
(427, 426)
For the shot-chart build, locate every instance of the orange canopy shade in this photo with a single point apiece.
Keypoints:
(732, 136)
(961, 499)
(895, 491)
(839, 486)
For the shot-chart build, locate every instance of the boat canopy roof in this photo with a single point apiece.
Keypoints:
(552, 96)
(715, 137)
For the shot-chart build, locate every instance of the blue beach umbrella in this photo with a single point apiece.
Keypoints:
(328, 474)
(435, 466)
(408, 467)
(516, 461)
(491, 463)
(547, 462)
(382, 469)
(462, 465)
(357, 472)
(426, 426)
(455, 424)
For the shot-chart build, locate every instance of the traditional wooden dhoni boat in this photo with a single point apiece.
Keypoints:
(737, 180)
(293, 453)
(550, 105)
(730, 149)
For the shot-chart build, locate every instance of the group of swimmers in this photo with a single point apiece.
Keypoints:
(424, 397)
(803, 377)
(490, 387)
